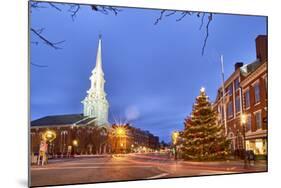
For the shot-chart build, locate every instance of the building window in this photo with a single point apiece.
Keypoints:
(247, 98)
(257, 92)
(222, 112)
(249, 123)
(258, 120)
(230, 109)
(229, 90)
(237, 104)
(236, 84)
(265, 83)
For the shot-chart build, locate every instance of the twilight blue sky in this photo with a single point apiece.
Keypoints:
(153, 73)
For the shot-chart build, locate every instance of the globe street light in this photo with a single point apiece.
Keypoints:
(75, 144)
(49, 136)
(175, 136)
(120, 132)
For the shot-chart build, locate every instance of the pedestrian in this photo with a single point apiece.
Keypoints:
(42, 152)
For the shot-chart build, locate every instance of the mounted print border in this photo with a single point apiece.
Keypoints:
(122, 94)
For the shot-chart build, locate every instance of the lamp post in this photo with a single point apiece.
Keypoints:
(132, 148)
(243, 122)
(120, 132)
(49, 136)
(175, 136)
(75, 144)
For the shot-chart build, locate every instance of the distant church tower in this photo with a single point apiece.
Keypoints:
(95, 103)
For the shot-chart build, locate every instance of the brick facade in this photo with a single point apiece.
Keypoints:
(248, 82)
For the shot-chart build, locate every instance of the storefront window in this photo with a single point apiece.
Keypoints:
(257, 145)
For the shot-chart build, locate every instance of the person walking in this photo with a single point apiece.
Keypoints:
(42, 152)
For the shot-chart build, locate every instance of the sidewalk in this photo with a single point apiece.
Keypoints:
(238, 165)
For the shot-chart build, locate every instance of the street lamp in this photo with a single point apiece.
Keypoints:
(175, 136)
(120, 132)
(75, 144)
(132, 148)
(243, 123)
(49, 136)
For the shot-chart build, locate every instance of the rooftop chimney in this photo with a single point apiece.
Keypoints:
(238, 65)
(261, 48)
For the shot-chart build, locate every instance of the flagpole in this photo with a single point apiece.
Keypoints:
(223, 94)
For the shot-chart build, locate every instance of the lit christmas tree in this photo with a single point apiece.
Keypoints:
(203, 138)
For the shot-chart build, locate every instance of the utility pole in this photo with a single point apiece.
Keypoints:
(223, 95)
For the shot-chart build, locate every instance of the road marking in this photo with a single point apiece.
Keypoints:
(158, 176)
(87, 167)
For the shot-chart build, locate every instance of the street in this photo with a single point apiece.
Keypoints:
(129, 167)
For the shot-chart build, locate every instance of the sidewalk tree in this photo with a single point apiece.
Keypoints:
(203, 137)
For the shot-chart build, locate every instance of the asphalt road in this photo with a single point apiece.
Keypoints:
(129, 167)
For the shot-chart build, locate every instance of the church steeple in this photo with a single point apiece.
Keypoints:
(98, 67)
(95, 103)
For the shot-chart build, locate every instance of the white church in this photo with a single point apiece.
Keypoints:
(95, 109)
(89, 129)
(95, 103)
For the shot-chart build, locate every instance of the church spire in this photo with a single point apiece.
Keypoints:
(95, 103)
(98, 67)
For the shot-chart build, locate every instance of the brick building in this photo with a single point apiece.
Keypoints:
(91, 139)
(90, 132)
(248, 82)
(133, 140)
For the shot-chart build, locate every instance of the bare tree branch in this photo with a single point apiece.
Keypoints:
(115, 10)
(54, 6)
(183, 15)
(36, 5)
(202, 21)
(171, 13)
(52, 44)
(37, 65)
(160, 17)
(106, 9)
(74, 9)
(210, 17)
